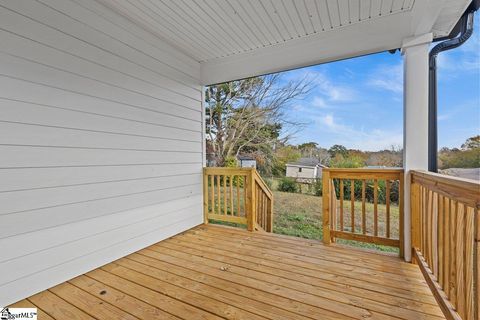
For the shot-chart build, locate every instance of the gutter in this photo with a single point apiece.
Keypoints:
(463, 31)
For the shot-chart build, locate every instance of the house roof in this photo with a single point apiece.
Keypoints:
(306, 162)
(246, 157)
(233, 39)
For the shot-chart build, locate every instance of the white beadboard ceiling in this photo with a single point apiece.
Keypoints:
(218, 32)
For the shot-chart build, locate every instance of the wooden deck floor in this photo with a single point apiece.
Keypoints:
(213, 272)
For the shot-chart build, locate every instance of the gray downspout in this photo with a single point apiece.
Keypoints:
(466, 32)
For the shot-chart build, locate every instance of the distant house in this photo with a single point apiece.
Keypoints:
(246, 161)
(305, 169)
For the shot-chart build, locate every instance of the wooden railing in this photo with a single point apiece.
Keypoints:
(445, 240)
(237, 195)
(365, 192)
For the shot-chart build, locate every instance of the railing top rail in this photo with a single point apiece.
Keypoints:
(364, 173)
(362, 170)
(464, 190)
(263, 185)
(228, 171)
(240, 171)
(445, 179)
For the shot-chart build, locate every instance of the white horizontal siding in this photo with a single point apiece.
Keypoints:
(100, 141)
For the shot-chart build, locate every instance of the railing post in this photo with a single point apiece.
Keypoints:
(415, 217)
(401, 209)
(250, 205)
(326, 206)
(476, 267)
(205, 196)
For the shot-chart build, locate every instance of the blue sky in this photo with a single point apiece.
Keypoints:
(359, 102)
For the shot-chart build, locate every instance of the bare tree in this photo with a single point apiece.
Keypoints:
(249, 115)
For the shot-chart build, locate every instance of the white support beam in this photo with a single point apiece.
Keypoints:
(415, 118)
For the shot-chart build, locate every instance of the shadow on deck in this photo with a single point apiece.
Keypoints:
(215, 272)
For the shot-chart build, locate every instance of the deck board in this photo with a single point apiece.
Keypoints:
(214, 272)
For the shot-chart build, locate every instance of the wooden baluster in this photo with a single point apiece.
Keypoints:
(218, 195)
(453, 253)
(259, 200)
(430, 230)
(326, 193)
(469, 265)
(426, 227)
(333, 207)
(352, 204)
(212, 193)
(446, 256)
(270, 216)
(415, 198)
(441, 245)
(364, 215)
(260, 194)
(245, 207)
(434, 266)
(231, 196)
(265, 210)
(341, 204)
(260, 203)
(429, 227)
(375, 207)
(460, 247)
(237, 179)
(387, 208)
(225, 198)
(423, 206)
(265, 214)
(205, 197)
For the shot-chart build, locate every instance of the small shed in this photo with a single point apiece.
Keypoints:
(305, 169)
(246, 161)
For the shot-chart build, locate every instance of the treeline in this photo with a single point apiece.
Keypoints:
(338, 156)
(467, 156)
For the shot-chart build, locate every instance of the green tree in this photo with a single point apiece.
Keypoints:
(472, 143)
(249, 114)
(349, 161)
(338, 150)
(283, 155)
(466, 157)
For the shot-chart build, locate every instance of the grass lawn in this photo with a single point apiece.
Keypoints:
(300, 215)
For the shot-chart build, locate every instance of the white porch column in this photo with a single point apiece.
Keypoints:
(415, 118)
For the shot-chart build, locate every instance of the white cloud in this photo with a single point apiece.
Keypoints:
(298, 107)
(328, 120)
(334, 92)
(388, 78)
(467, 58)
(371, 140)
(319, 102)
(327, 90)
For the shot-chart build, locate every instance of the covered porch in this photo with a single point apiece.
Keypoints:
(105, 201)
